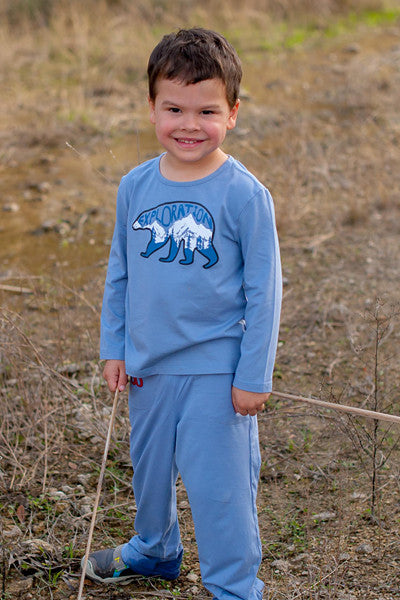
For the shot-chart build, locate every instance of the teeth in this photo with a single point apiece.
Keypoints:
(188, 141)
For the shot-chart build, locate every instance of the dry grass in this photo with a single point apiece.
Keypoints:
(320, 127)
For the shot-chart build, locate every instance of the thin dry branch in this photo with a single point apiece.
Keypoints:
(355, 410)
(15, 289)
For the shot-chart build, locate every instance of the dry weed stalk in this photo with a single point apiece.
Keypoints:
(374, 443)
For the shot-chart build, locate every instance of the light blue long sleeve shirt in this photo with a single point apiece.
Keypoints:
(194, 280)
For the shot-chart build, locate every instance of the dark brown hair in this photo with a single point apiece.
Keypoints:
(193, 55)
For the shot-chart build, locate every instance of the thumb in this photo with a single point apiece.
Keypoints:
(122, 380)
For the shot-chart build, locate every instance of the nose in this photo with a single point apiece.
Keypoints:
(190, 122)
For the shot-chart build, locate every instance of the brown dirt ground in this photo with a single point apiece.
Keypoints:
(320, 127)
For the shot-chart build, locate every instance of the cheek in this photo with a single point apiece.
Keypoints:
(165, 125)
(218, 132)
(215, 129)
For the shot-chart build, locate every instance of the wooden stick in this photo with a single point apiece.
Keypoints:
(99, 486)
(16, 289)
(363, 412)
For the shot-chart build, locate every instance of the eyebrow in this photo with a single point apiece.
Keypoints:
(205, 107)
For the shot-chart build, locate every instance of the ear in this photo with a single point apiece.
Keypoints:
(233, 115)
(152, 110)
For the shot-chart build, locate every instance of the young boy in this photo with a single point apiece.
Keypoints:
(191, 314)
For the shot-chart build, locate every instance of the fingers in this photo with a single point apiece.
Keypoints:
(115, 375)
(112, 382)
(249, 411)
(248, 403)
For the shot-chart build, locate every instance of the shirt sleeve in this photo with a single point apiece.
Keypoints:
(112, 325)
(262, 283)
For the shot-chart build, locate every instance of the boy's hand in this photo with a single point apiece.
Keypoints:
(115, 375)
(248, 403)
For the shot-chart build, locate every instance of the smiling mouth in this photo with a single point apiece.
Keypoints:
(188, 142)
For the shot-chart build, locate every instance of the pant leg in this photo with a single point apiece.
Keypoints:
(152, 448)
(219, 459)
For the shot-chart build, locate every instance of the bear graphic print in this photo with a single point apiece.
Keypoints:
(184, 224)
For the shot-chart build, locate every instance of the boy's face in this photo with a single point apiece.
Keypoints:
(191, 121)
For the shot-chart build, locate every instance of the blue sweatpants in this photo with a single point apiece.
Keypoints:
(187, 425)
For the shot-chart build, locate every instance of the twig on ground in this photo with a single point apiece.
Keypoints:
(15, 289)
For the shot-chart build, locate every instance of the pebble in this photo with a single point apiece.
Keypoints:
(14, 532)
(69, 369)
(57, 494)
(364, 548)
(23, 585)
(192, 577)
(281, 565)
(84, 478)
(50, 225)
(344, 556)
(358, 496)
(325, 516)
(353, 48)
(38, 545)
(67, 488)
(12, 207)
(301, 557)
(43, 187)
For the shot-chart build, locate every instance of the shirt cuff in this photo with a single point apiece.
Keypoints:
(248, 386)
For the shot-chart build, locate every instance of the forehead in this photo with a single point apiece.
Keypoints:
(207, 91)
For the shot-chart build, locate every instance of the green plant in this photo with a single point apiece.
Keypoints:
(69, 551)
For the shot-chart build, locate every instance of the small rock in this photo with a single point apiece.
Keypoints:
(192, 577)
(57, 495)
(63, 228)
(194, 590)
(83, 478)
(358, 496)
(300, 557)
(39, 546)
(344, 556)
(364, 548)
(69, 369)
(13, 533)
(47, 159)
(43, 187)
(325, 516)
(11, 207)
(281, 565)
(46, 226)
(86, 510)
(352, 48)
(67, 489)
(23, 585)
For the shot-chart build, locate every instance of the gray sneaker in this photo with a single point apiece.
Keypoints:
(107, 566)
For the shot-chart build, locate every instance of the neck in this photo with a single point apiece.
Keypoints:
(176, 171)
